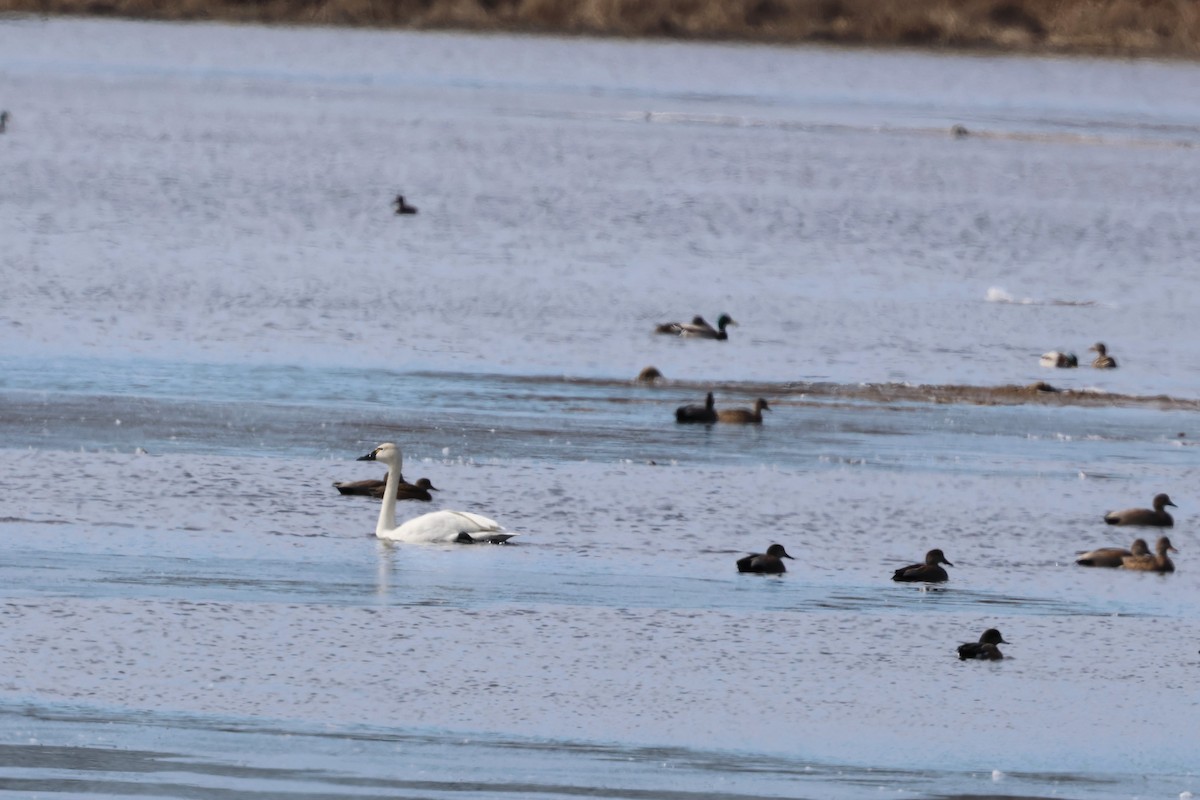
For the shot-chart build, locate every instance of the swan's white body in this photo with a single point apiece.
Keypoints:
(459, 527)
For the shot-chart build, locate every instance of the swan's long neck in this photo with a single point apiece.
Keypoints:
(387, 510)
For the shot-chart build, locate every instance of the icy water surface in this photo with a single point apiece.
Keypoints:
(210, 311)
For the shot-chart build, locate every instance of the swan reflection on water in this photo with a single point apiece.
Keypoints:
(383, 568)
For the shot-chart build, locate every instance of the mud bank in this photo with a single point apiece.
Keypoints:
(1107, 27)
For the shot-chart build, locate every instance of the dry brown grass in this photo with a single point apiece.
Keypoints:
(1122, 27)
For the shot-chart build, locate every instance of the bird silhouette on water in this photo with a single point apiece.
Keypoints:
(985, 648)
(705, 414)
(768, 563)
(928, 572)
(402, 207)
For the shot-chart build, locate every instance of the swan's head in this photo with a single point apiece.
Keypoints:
(388, 453)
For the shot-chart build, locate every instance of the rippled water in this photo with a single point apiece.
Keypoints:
(209, 311)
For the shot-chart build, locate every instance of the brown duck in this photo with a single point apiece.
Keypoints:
(404, 490)
(649, 375)
(768, 563)
(929, 572)
(1160, 562)
(745, 416)
(1157, 516)
(1102, 360)
(1112, 556)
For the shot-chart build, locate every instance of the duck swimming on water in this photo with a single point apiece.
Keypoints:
(1160, 562)
(677, 328)
(404, 490)
(745, 416)
(402, 207)
(928, 572)
(410, 491)
(649, 375)
(768, 563)
(1057, 358)
(990, 638)
(447, 527)
(704, 415)
(1102, 360)
(1112, 556)
(1157, 516)
(698, 328)
(989, 652)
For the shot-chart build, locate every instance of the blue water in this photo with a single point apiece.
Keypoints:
(210, 312)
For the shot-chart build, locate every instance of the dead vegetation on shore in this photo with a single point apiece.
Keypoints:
(1117, 27)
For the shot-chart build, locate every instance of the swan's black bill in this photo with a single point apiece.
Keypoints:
(368, 457)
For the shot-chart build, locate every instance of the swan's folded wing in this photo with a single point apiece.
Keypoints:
(480, 529)
(472, 523)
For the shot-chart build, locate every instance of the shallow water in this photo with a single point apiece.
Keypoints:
(209, 311)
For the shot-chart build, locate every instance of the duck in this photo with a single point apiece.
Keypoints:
(989, 652)
(446, 527)
(1157, 516)
(1057, 358)
(650, 375)
(744, 415)
(404, 490)
(928, 572)
(1102, 360)
(768, 563)
(985, 648)
(704, 414)
(1160, 562)
(1112, 556)
(698, 328)
(410, 491)
(402, 207)
(677, 328)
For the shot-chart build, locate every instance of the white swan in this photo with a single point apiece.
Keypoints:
(461, 527)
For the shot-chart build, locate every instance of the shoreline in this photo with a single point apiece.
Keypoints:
(1084, 28)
